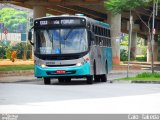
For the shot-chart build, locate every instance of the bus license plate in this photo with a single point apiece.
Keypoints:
(60, 71)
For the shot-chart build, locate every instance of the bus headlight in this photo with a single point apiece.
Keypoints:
(79, 64)
(43, 65)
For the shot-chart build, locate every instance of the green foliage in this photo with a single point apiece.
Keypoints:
(124, 41)
(148, 74)
(8, 54)
(4, 46)
(14, 20)
(141, 58)
(123, 55)
(17, 67)
(20, 48)
(118, 6)
(2, 53)
(145, 76)
(144, 50)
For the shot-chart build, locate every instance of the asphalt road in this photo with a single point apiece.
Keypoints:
(78, 97)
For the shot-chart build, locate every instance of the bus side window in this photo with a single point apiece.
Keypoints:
(99, 31)
(93, 30)
(96, 30)
(100, 41)
(107, 42)
(105, 32)
(110, 42)
(109, 33)
(97, 40)
(104, 41)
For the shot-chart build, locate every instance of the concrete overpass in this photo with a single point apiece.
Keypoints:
(96, 10)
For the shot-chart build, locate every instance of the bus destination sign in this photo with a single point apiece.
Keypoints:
(61, 22)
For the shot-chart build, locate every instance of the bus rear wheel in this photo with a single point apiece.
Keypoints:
(97, 78)
(89, 79)
(47, 81)
(104, 78)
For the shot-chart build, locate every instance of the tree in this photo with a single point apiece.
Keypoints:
(118, 6)
(14, 20)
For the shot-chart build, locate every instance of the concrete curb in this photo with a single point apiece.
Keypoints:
(13, 79)
(121, 81)
(16, 73)
(151, 82)
(124, 81)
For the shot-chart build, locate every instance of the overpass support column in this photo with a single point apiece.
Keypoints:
(133, 45)
(115, 21)
(39, 11)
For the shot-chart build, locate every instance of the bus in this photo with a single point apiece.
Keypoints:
(71, 46)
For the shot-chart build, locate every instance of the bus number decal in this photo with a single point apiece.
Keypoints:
(43, 22)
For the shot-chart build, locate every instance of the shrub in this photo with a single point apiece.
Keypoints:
(123, 55)
(148, 74)
(141, 58)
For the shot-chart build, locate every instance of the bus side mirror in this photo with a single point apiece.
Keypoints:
(30, 37)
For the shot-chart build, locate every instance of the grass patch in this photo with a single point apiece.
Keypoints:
(16, 67)
(141, 58)
(146, 76)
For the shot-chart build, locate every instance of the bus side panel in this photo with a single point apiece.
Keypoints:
(101, 55)
(108, 57)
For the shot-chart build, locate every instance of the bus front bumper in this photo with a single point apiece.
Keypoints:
(72, 71)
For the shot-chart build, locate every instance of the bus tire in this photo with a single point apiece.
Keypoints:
(90, 79)
(47, 81)
(68, 80)
(61, 80)
(97, 78)
(104, 78)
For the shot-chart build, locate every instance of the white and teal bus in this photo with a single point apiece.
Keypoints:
(72, 46)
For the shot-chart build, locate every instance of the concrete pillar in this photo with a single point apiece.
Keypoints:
(133, 45)
(115, 22)
(39, 11)
(155, 51)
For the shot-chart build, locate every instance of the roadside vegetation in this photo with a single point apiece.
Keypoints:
(145, 76)
(17, 67)
(14, 20)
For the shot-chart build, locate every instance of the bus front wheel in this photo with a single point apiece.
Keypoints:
(47, 81)
(68, 80)
(89, 79)
(60, 80)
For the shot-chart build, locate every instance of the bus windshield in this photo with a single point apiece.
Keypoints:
(61, 41)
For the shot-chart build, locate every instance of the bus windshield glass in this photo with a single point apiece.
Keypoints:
(61, 41)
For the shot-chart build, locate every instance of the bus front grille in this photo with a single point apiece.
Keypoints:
(61, 65)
